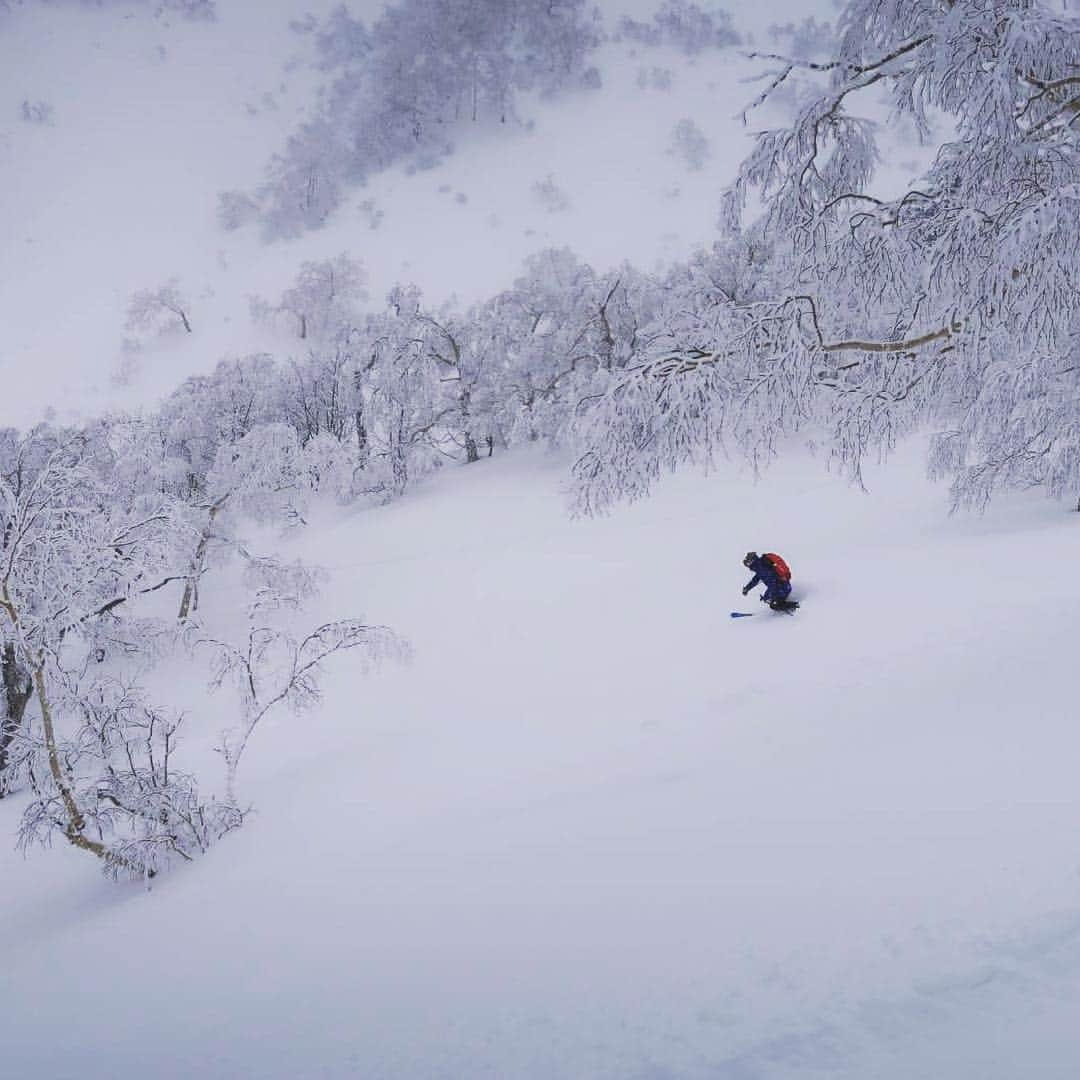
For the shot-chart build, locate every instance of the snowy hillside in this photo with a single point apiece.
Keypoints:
(592, 827)
(150, 119)
(599, 829)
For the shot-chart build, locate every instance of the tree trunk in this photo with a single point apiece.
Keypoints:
(18, 689)
(399, 471)
(399, 465)
(190, 600)
(76, 823)
(607, 344)
(361, 438)
(471, 452)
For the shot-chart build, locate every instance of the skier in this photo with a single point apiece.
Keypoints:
(771, 571)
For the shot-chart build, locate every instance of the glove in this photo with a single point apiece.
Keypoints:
(746, 589)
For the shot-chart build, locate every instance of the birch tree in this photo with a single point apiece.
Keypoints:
(72, 555)
(954, 303)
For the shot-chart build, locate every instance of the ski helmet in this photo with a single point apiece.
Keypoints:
(751, 558)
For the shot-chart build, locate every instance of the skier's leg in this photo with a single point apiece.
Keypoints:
(778, 598)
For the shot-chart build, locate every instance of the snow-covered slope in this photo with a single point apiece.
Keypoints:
(599, 829)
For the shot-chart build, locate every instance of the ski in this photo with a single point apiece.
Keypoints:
(779, 611)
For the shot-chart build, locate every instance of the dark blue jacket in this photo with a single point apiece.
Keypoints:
(764, 572)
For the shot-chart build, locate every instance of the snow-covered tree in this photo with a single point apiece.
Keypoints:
(954, 303)
(304, 182)
(319, 391)
(117, 791)
(260, 474)
(92, 523)
(274, 668)
(402, 85)
(689, 144)
(405, 408)
(685, 25)
(159, 310)
(557, 328)
(323, 299)
(208, 411)
(72, 554)
(465, 364)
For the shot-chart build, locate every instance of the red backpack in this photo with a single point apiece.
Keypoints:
(782, 570)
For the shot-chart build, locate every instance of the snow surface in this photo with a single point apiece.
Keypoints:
(597, 829)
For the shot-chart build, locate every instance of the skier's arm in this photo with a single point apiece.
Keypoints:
(756, 579)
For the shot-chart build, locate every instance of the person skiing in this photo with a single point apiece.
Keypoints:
(772, 572)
